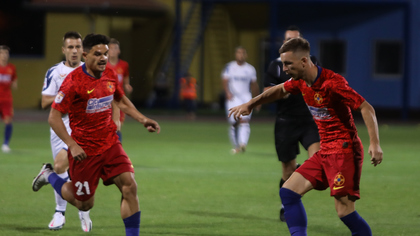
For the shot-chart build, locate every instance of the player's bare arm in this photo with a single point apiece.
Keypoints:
(57, 125)
(369, 117)
(15, 84)
(116, 115)
(255, 91)
(46, 101)
(128, 108)
(127, 87)
(270, 95)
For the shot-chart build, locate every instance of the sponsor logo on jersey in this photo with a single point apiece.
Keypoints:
(59, 98)
(63, 75)
(318, 98)
(320, 113)
(6, 78)
(241, 78)
(95, 105)
(90, 91)
(338, 181)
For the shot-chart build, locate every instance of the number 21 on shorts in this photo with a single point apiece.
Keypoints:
(82, 188)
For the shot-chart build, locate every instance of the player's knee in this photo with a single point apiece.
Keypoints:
(8, 120)
(129, 190)
(344, 206)
(59, 168)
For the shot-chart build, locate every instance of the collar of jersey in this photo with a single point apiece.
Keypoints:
(84, 70)
(318, 75)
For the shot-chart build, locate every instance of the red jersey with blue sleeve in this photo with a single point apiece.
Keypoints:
(87, 100)
(121, 68)
(7, 76)
(330, 101)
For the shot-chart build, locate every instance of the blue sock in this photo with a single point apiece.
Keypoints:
(56, 182)
(294, 212)
(8, 133)
(356, 224)
(119, 136)
(132, 224)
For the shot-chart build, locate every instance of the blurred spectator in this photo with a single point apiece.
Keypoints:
(189, 94)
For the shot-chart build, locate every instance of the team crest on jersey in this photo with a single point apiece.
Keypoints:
(318, 98)
(95, 105)
(59, 98)
(339, 180)
(110, 87)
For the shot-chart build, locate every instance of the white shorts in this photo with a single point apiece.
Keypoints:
(236, 101)
(56, 143)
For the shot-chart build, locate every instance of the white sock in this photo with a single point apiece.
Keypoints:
(61, 204)
(232, 136)
(243, 133)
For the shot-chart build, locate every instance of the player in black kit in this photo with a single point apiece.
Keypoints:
(294, 122)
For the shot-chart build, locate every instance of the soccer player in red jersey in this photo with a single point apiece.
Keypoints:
(8, 80)
(338, 164)
(94, 150)
(121, 68)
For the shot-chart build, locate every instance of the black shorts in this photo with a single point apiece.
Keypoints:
(288, 132)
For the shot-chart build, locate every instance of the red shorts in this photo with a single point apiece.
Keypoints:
(122, 116)
(85, 174)
(340, 172)
(6, 109)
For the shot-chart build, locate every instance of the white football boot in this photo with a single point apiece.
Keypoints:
(5, 148)
(57, 222)
(42, 178)
(85, 221)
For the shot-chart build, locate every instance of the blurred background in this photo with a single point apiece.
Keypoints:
(372, 43)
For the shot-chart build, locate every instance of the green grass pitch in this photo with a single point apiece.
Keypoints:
(189, 184)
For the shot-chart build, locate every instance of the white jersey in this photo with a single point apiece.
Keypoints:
(239, 78)
(52, 83)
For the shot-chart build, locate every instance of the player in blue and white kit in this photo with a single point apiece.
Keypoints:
(239, 78)
(72, 50)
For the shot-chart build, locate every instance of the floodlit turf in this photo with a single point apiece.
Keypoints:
(190, 185)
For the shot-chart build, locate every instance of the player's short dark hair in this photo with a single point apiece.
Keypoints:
(92, 40)
(240, 47)
(72, 35)
(293, 28)
(294, 45)
(114, 41)
(4, 47)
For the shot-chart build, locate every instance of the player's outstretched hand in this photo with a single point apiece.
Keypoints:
(375, 151)
(151, 126)
(77, 152)
(238, 111)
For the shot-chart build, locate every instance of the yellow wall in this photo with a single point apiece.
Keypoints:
(31, 72)
(140, 45)
(144, 42)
